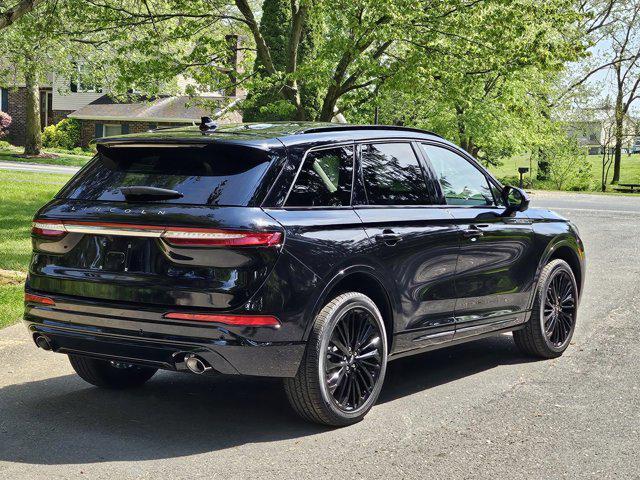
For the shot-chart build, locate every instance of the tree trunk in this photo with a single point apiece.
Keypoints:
(33, 135)
(619, 133)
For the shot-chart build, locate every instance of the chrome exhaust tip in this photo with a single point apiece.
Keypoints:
(43, 342)
(196, 365)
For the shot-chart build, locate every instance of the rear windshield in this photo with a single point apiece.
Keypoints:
(204, 175)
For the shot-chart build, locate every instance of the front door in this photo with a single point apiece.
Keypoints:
(414, 241)
(496, 267)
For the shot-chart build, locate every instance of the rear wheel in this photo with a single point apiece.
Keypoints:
(553, 318)
(104, 373)
(343, 369)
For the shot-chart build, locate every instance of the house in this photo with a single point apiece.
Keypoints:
(100, 115)
(594, 129)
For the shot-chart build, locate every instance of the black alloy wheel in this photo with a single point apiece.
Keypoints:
(559, 308)
(353, 360)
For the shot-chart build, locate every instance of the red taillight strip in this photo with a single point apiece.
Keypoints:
(31, 298)
(48, 228)
(238, 320)
(180, 236)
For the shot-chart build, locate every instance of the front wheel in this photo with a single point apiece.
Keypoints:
(343, 369)
(553, 318)
(104, 373)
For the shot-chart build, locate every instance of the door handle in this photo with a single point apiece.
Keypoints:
(472, 233)
(389, 237)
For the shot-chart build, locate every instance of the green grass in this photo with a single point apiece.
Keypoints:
(21, 195)
(9, 153)
(629, 171)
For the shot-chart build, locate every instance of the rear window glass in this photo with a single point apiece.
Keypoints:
(209, 175)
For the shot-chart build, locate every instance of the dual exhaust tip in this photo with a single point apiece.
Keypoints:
(194, 363)
(43, 342)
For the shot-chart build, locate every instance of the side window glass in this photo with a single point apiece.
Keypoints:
(324, 180)
(461, 182)
(392, 175)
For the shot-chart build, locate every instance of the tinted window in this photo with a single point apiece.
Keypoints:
(461, 182)
(324, 180)
(392, 175)
(214, 175)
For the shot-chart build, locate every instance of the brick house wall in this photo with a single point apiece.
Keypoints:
(17, 108)
(59, 115)
(88, 128)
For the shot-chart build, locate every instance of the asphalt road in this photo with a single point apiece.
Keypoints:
(38, 167)
(479, 410)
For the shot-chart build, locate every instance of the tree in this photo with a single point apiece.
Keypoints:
(485, 76)
(32, 49)
(10, 14)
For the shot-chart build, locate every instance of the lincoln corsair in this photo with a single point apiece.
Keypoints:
(314, 252)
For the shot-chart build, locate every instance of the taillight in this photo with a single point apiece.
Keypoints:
(178, 236)
(48, 228)
(220, 238)
(239, 320)
(31, 298)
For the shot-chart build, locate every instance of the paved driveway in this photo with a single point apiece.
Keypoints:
(474, 411)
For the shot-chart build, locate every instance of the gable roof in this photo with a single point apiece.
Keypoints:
(176, 109)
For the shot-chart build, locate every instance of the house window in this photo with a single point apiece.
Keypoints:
(111, 130)
(4, 100)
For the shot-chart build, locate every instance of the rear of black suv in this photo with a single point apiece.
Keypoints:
(158, 255)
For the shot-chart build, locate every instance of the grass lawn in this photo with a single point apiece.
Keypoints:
(12, 154)
(21, 194)
(629, 171)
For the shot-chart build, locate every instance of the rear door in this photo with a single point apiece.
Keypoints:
(414, 240)
(321, 227)
(207, 244)
(496, 265)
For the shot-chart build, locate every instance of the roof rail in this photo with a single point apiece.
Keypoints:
(339, 127)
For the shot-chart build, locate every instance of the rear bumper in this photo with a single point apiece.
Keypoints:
(143, 337)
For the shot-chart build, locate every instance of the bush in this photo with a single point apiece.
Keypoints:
(65, 134)
(5, 123)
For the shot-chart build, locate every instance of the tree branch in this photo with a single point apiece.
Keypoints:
(8, 17)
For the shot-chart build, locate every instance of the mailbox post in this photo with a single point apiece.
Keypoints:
(522, 171)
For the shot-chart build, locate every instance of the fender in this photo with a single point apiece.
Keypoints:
(338, 275)
(563, 240)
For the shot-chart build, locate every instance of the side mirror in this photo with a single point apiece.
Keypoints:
(515, 199)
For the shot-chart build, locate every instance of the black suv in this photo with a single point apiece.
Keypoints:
(313, 252)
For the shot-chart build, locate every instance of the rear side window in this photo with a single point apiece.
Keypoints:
(392, 175)
(325, 179)
(208, 175)
(461, 182)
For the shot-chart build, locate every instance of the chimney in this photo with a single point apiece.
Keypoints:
(235, 60)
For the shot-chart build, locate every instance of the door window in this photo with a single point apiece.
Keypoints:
(392, 175)
(461, 182)
(324, 180)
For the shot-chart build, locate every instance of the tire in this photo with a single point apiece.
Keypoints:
(311, 393)
(534, 339)
(103, 373)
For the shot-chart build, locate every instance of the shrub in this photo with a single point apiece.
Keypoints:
(5, 123)
(65, 134)
(566, 167)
